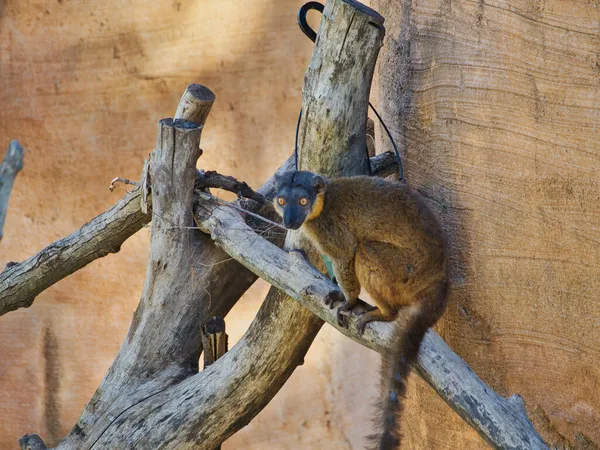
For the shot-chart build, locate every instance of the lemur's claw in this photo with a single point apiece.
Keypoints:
(334, 297)
(344, 311)
(360, 326)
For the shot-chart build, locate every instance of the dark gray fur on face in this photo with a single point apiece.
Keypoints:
(293, 186)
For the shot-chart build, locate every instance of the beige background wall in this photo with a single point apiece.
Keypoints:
(507, 146)
(498, 107)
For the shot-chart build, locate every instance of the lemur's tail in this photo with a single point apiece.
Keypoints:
(396, 365)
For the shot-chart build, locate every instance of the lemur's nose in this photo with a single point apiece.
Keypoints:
(290, 220)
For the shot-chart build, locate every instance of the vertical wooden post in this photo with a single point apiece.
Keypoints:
(335, 95)
(214, 340)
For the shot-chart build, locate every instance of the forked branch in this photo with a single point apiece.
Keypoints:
(21, 282)
(503, 423)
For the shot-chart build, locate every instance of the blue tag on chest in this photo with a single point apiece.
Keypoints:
(329, 265)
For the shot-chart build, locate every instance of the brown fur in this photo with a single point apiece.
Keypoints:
(380, 235)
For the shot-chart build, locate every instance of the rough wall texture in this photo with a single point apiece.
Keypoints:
(497, 107)
(497, 112)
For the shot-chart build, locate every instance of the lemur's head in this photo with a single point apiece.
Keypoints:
(299, 197)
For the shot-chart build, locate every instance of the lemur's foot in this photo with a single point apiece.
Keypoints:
(344, 311)
(365, 309)
(372, 315)
(334, 297)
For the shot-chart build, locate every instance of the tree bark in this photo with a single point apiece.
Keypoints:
(11, 165)
(21, 282)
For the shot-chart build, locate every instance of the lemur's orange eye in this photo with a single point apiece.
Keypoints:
(280, 201)
(303, 201)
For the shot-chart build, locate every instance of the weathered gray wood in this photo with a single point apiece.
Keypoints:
(11, 165)
(503, 423)
(21, 282)
(336, 89)
(163, 344)
(214, 340)
(147, 367)
(337, 149)
(280, 320)
(383, 164)
(195, 104)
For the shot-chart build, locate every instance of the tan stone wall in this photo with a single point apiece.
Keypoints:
(509, 143)
(498, 108)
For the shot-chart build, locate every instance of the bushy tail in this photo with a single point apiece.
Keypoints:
(396, 366)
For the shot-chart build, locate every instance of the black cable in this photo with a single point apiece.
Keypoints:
(296, 143)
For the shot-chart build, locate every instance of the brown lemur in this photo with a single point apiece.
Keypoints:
(380, 235)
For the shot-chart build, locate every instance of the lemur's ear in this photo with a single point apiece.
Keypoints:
(277, 181)
(318, 183)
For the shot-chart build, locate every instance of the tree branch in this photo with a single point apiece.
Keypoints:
(11, 165)
(150, 396)
(21, 282)
(212, 179)
(503, 423)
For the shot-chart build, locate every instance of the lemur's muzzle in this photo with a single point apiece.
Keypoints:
(292, 219)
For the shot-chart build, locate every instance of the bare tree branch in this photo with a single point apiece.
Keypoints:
(21, 283)
(212, 179)
(503, 423)
(11, 165)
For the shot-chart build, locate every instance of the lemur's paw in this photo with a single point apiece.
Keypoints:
(334, 297)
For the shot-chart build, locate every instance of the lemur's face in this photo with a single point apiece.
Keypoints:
(299, 197)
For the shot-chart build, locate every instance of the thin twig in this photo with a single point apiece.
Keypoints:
(122, 180)
(207, 196)
(212, 179)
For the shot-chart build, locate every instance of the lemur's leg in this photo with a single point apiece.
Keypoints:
(348, 282)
